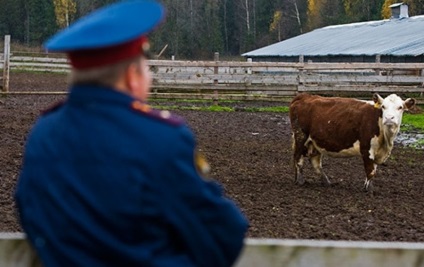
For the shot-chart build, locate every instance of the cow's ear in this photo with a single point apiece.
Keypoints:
(409, 103)
(377, 100)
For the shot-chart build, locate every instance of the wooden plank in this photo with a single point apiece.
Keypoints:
(211, 96)
(34, 93)
(23, 65)
(223, 87)
(39, 59)
(305, 66)
(401, 79)
(224, 79)
(380, 66)
(244, 64)
(259, 65)
(361, 88)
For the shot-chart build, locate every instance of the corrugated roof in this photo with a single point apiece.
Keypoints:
(399, 37)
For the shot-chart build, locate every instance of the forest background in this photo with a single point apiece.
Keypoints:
(195, 29)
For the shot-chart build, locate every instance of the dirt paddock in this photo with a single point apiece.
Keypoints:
(250, 155)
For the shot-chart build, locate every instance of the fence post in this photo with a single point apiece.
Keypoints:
(422, 85)
(215, 81)
(249, 71)
(300, 73)
(6, 65)
(377, 60)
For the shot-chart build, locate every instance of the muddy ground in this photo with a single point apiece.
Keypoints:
(250, 154)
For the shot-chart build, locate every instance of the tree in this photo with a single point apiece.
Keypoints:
(64, 11)
(290, 22)
(209, 34)
(297, 15)
(229, 27)
(363, 10)
(12, 16)
(195, 29)
(315, 13)
(386, 12)
(276, 23)
(84, 7)
(39, 21)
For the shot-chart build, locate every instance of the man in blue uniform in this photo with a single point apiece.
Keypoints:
(108, 181)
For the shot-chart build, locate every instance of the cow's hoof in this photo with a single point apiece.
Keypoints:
(369, 189)
(299, 181)
(368, 185)
(325, 181)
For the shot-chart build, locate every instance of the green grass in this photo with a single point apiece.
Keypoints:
(410, 122)
(283, 109)
(152, 99)
(413, 121)
(214, 108)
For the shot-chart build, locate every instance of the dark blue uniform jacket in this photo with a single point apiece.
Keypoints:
(106, 181)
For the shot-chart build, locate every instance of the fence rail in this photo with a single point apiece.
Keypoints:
(264, 80)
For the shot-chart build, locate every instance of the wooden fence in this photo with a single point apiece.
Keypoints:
(249, 80)
(5, 59)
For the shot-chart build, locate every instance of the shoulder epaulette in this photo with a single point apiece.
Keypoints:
(162, 115)
(53, 107)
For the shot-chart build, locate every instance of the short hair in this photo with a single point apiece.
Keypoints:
(104, 76)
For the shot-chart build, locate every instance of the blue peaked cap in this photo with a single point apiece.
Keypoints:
(109, 26)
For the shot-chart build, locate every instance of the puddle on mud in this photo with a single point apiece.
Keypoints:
(410, 139)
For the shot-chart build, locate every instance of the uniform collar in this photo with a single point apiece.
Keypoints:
(94, 93)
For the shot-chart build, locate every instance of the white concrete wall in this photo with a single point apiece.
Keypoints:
(314, 253)
(16, 252)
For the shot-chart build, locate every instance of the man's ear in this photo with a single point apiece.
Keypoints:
(131, 74)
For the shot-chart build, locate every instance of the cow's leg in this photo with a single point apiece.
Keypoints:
(316, 160)
(370, 171)
(299, 152)
(298, 178)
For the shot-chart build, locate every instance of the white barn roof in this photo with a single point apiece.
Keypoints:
(397, 37)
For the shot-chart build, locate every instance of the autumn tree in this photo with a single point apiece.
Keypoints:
(195, 29)
(314, 17)
(64, 11)
(386, 12)
(415, 7)
(293, 17)
(362, 10)
(276, 23)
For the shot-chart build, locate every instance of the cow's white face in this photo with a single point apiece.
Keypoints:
(392, 107)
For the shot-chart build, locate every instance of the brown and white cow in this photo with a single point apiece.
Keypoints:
(344, 127)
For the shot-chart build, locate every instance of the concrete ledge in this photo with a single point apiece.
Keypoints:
(322, 253)
(15, 251)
